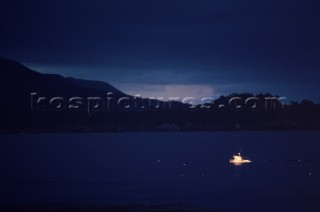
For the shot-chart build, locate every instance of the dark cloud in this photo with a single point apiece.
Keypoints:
(169, 42)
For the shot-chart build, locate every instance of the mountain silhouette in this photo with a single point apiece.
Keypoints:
(18, 82)
(24, 81)
(31, 101)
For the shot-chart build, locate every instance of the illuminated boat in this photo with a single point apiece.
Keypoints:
(238, 160)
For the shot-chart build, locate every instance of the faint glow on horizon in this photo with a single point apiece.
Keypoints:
(168, 91)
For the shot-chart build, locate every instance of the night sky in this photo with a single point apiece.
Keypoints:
(169, 47)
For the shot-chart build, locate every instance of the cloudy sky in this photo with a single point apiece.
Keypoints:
(171, 47)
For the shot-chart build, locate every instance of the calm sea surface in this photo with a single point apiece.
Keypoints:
(179, 169)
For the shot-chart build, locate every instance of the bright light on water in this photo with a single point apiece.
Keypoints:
(237, 160)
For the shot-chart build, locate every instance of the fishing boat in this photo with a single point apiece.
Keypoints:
(238, 160)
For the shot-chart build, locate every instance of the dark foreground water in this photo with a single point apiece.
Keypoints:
(177, 169)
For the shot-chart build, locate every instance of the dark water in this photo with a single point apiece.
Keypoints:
(184, 169)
